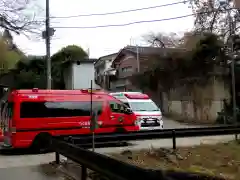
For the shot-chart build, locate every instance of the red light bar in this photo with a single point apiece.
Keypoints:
(84, 90)
(137, 96)
(89, 90)
(35, 90)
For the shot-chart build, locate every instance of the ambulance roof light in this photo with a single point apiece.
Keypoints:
(137, 96)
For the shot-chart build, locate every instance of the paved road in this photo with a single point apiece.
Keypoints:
(158, 143)
(25, 166)
(162, 143)
(170, 124)
(40, 172)
(34, 166)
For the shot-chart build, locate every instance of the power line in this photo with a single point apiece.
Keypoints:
(137, 22)
(125, 24)
(121, 12)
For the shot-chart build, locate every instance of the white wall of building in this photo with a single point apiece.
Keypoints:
(82, 75)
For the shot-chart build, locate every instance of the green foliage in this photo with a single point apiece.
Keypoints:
(31, 71)
(8, 56)
(185, 67)
(61, 59)
(206, 54)
(69, 53)
(12, 58)
(29, 79)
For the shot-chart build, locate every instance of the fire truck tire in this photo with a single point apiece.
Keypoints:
(123, 143)
(40, 144)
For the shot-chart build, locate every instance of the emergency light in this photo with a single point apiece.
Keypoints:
(137, 96)
(90, 90)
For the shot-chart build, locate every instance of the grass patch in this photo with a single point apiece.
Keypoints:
(220, 160)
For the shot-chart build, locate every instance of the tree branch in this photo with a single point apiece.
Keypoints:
(15, 16)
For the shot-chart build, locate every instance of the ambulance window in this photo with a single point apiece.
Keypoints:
(117, 107)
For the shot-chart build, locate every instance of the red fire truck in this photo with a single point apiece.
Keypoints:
(29, 114)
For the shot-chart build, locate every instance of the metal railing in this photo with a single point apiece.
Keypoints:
(154, 134)
(117, 170)
(114, 169)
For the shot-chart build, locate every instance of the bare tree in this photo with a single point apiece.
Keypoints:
(162, 39)
(213, 16)
(19, 16)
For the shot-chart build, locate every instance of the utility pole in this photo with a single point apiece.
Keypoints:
(138, 63)
(231, 33)
(47, 40)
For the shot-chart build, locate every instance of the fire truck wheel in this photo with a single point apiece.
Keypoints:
(40, 143)
(123, 143)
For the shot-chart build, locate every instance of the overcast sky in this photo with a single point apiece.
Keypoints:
(103, 41)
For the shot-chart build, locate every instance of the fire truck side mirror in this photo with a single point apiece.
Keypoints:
(128, 111)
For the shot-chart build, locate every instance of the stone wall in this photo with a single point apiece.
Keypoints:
(196, 103)
(202, 102)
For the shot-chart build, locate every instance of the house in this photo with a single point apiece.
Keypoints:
(134, 59)
(103, 70)
(79, 73)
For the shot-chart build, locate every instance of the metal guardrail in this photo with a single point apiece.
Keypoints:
(155, 134)
(117, 170)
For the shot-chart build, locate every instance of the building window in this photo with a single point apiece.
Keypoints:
(127, 69)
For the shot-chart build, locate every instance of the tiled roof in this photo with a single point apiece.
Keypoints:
(104, 58)
(146, 51)
(151, 50)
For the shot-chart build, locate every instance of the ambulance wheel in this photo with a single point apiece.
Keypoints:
(41, 144)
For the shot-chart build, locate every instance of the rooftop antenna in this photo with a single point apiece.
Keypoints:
(137, 58)
(88, 52)
(138, 63)
(130, 41)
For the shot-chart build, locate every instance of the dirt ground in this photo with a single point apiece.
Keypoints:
(221, 159)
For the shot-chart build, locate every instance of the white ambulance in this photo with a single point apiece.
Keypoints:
(148, 113)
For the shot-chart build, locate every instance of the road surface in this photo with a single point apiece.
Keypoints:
(163, 143)
(170, 124)
(39, 172)
(35, 167)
